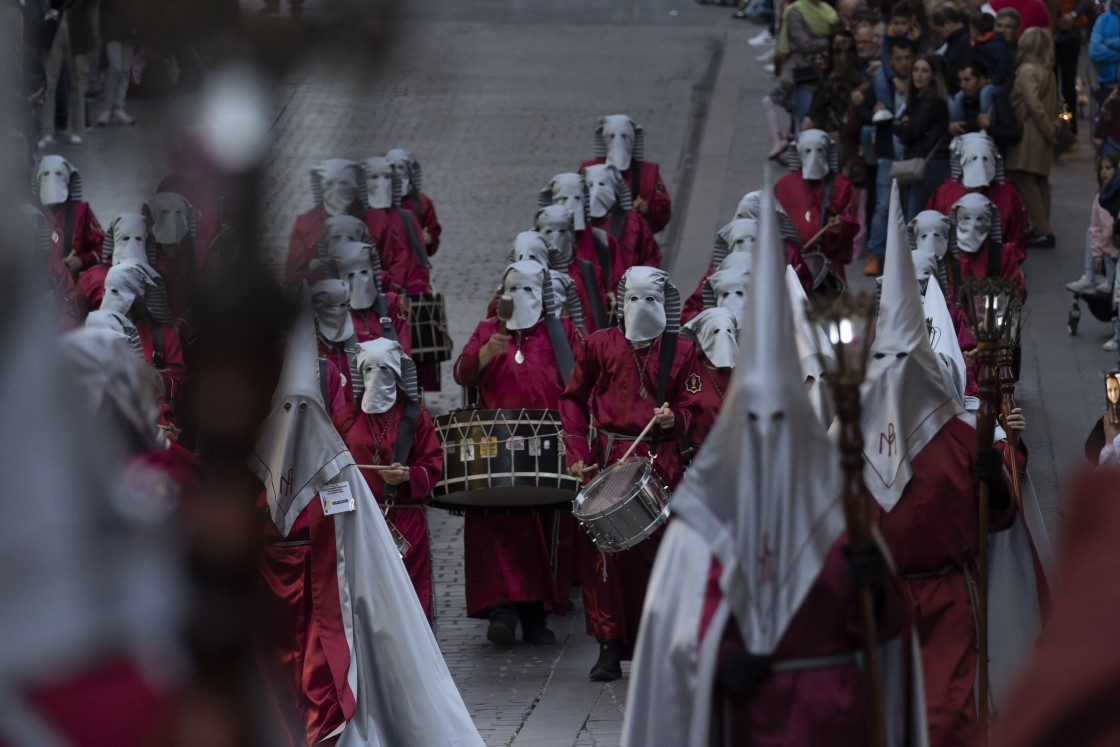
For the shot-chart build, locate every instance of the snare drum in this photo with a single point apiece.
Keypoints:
(623, 505)
(502, 460)
(427, 323)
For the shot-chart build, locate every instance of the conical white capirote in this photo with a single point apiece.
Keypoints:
(764, 492)
(299, 374)
(943, 336)
(905, 402)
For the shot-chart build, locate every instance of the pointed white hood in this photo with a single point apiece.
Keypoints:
(716, 332)
(906, 402)
(943, 340)
(749, 206)
(298, 450)
(764, 493)
(331, 300)
(813, 348)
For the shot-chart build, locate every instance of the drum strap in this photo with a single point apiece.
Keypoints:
(594, 294)
(405, 431)
(387, 330)
(665, 364)
(561, 348)
(618, 221)
(995, 259)
(414, 239)
(602, 243)
(68, 232)
(635, 179)
(826, 203)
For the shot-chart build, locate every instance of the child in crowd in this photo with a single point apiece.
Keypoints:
(990, 49)
(1101, 249)
(902, 25)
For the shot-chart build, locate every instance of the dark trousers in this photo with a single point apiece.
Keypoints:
(1066, 54)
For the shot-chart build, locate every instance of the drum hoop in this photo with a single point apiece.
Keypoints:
(644, 477)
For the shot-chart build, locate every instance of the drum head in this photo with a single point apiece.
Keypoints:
(614, 484)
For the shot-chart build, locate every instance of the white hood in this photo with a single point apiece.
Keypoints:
(171, 217)
(903, 376)
(524, 282)
(343, 228)
(814, 152)
(716, 331)
(977, 158)
(337, 181)
(618, 134)
(382, 186)
(380, 366)
(358, 265)
(119, 323)
(602, 183)
(750, 205)
(643, 306)
(556, 224)
(330, 299)
(729, 286)
(129, 236)
(130, 280)
(567, 190)
(53, 178)
(531, 246)
(407, 169)
(971, 217)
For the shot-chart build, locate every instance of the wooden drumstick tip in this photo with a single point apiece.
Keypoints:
(643, 434)
(504, 310)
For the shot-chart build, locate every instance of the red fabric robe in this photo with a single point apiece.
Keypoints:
(585, 249)
(174, 368)
(367, 323)
(508, 557)
(932, 534)
(976, 265)
(604, 389)
(1066, 693)
(425, 467)
(302, 648)
(800, 198)
(303, 244)
(398, 259)
(179, 273)
(635, 241)
(651, 189)
(1012, 214)
(85, 243)
(426, 214)
(335, 354)
(809, 707)
(713, 384)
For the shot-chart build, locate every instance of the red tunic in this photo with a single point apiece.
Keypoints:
(508, 556)
(650, 188)
(712, 383)
(303, 648)
(604, 388)
(85, 242)
(1012, 214)
(694, 304)
(585, 250)
(635, 241)
(802, 200)
(425, 466)
(812, 706)
(426, 215)
(335, 354)
(179, 272)
(367, 323)
(932, 534)
(976, 265)
(398, 259)
(173, 370)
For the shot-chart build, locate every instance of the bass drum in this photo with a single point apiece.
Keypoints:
(427, 326)
(502, 460)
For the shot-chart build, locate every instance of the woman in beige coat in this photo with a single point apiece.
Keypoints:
(1035, 98)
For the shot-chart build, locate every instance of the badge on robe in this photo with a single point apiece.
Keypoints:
(692, 384)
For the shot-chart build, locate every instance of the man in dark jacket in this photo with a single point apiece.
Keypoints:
(965, 111)
(956, 44)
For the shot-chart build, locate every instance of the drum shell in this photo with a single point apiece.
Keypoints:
(427, 325)
(502, 460)
(631, 518)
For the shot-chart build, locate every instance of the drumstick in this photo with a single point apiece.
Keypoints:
(641, 435)
(377, 467)
(816, 237)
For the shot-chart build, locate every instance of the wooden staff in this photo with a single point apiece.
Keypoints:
(1007, 404)
(987, 352)
(858, 520)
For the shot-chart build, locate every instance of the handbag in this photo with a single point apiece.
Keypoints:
(911, 171)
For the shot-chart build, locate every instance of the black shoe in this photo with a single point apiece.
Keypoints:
(609, 665)
(1046, 241)
(533, 628)
(503, 623)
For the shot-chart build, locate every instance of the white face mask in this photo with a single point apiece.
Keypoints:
(567, 191)
(618, 133)
(530, 246)
(339, 181)
(741, 236)
(363, 288)
(331, 301)
(123, 284)
(931, 232)
(602, 191)
(978, 164)
(402, 167)
(812, 151)
(170, 214)
(717, 334)
(343, 229)
(749, 206)
(354, 261)
(523, 283)
(555, 224)
(379, 183)
(730, 289)
(925, 264)
(130, 238)
(974, 222)
(54, 180)
(643, 306)
(379, 363)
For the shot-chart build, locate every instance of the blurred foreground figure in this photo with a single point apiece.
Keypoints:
(92, 594)
(1067, 693)
(751, 633)
(351, 658)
